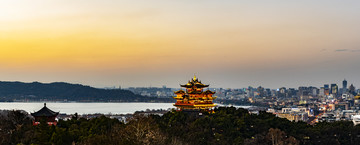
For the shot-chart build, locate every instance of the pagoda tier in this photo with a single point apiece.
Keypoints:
(194, 97)
(194, 83)
(45, 114)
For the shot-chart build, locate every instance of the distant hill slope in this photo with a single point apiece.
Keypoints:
(60, 91)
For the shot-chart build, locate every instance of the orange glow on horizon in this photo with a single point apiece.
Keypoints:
(126, 37)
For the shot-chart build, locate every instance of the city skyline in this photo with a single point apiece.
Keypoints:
(228, 44)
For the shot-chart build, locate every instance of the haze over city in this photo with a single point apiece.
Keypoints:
(153, 43)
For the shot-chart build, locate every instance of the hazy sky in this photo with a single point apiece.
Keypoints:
(229, 44)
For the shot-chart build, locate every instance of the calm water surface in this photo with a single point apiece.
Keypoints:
(88, 108)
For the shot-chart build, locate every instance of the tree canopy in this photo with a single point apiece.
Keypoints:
(228, 125)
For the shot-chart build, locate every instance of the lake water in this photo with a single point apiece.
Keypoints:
(88, 108)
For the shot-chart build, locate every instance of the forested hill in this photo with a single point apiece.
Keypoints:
(60, 91)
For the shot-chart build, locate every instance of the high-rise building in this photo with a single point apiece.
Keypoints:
(326, 90)
(314, 91)
(261, 92)
(352, 90)
(304, 91)
(251, 91)
(334, 89)
(292, 92)
(322, 91)
(282, 92)
(268, 92)
(344, 90)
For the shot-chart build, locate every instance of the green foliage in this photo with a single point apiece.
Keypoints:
(227, 125)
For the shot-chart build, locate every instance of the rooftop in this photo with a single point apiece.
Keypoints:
(44, 112)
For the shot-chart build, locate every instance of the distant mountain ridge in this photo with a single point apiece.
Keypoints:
(61, 91)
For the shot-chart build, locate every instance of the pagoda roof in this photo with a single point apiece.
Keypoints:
(194, 83)
(179, 92)
(209, 92)
(45, 112)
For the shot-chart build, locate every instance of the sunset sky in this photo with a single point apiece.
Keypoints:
(141, 43)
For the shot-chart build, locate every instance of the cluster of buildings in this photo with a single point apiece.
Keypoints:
(332, 90)
(310, 104)
(163, 92)
(292, 114)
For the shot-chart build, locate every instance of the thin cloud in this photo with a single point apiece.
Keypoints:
(341, 50)
(347, 50)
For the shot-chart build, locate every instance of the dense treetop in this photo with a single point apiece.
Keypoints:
(227, 125)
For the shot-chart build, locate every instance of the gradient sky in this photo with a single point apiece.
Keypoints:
(229, 44)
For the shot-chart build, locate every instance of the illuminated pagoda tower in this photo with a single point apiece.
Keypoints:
(45, 114)
(194, 98)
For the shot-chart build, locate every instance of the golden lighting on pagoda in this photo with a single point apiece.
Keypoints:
(194, 97)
